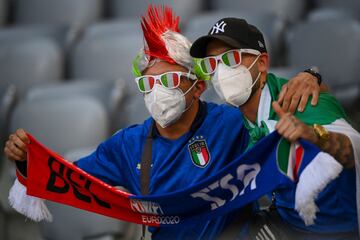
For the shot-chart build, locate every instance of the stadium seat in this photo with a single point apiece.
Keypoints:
(72, 12)
(291, 10)
(327, 13)
(62, 34)
(8, 99)
(268, 23)
(106, 52)
(27, 62)
(113, 27)
(333, 46)
(63, 123)
(351, 7)
(183, 8)
(109, 93)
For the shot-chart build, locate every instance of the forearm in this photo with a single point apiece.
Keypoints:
(340, 147)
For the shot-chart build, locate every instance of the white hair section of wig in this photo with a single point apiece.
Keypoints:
(178, 47)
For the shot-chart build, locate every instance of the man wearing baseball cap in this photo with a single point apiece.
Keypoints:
(234, 54)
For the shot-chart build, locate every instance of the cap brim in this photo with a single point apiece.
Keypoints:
(198, 48)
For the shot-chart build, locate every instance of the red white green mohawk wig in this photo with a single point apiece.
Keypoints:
(162, 41)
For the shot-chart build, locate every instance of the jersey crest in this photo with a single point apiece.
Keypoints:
(199, 151)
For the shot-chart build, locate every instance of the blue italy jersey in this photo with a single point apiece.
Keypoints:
(216, 137)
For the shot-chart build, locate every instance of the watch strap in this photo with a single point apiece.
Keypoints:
(315, 74)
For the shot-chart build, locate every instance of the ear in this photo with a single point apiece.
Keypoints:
(263, 62)
(199, 88)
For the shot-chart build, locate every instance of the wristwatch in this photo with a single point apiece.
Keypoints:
(322, 133)
(315, 72)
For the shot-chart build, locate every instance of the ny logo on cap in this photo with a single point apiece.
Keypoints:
(218, 27)
(261, 44)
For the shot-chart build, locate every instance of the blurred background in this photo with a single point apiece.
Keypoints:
(65, 76)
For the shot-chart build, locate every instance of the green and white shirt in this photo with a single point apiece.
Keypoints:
(329, 113)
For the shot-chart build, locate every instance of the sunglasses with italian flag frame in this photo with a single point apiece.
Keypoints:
(231, 58)
(169, 80)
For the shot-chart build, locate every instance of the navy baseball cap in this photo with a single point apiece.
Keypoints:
(235, 32)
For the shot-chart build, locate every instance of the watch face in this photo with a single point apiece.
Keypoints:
(321, 131)
(315, 69)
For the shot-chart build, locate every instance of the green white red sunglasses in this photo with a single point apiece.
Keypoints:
(231, 58)
(169, 80)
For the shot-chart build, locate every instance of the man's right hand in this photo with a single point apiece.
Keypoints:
(16, 146)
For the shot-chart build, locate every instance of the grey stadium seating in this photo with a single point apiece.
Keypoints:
(333, 46)
(63, 123)
(113, 27)
(109, 93)
(78, 12)
(352, 7)
(291, 10)
(27, 62)
(106, 52)
(327, 13)
(62, 34)
(183, 8)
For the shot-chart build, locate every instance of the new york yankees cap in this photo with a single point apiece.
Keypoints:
(235, 32)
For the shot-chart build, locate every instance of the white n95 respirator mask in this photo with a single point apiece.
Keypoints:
(166, 105)
(234, 85)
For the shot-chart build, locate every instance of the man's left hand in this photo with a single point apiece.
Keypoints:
(295, 94)
(292, 128)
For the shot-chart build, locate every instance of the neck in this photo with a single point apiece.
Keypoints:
(251, 107)
(181, 126)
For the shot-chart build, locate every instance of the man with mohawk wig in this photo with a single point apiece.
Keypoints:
(184, 141)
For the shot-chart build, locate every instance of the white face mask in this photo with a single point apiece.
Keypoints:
(234, 85)
(166, 105)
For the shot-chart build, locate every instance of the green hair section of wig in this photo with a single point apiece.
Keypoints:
(198, 72)
(135, 66)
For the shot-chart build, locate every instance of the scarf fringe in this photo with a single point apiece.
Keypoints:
(315, 177)
(32, 207)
